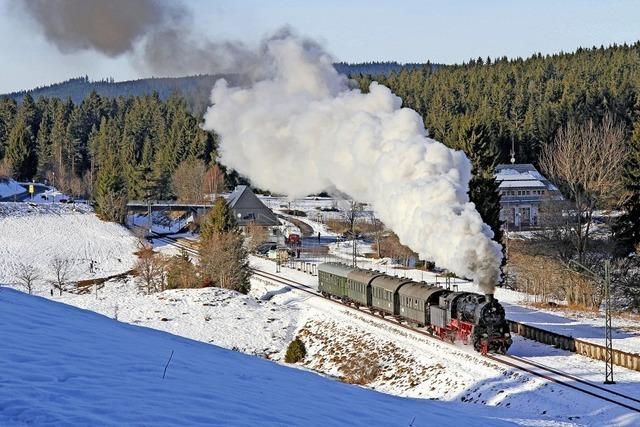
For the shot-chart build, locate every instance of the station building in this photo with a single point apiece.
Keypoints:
(523, 189)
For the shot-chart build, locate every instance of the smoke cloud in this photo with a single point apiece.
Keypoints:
(302, 130)
(110, 27)
(156, 35)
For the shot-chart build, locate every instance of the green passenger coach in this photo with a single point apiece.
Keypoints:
(332, 279)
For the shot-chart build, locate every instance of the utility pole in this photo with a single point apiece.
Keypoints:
(353, 234)
(608, 360)
(606, 282)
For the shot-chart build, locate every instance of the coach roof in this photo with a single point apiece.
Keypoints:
(389, 283)
(335, 268)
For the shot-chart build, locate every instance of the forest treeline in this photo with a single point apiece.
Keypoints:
(526, 100)
(194, 89)
(122, 148)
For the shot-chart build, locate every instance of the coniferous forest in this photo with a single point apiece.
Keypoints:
(101, 147)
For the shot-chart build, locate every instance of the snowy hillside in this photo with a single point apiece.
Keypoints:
(65, 366)
(36, 234)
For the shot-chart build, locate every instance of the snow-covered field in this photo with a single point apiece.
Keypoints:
(36, 234)
(64, 366)
(338, 340)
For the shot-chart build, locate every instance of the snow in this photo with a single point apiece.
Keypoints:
(50, 196)
(161, 223)
(9, 187)
(522, 183)
(35, 234)
(414, 366)
(61, 365)
(263, 323)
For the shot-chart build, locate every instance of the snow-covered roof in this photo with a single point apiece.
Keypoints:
(522, 184)
(9, 187)
(523, 175)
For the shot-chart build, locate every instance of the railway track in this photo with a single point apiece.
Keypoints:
(530, 367)
(515, 362)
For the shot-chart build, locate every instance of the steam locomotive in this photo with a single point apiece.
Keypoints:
(463, 316)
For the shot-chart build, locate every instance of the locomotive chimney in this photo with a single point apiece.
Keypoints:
(489, 297)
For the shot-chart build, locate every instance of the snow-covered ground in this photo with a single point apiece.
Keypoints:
(36, 234)
(9, 187)
(412, 365)
(64, 366)
(264, 322)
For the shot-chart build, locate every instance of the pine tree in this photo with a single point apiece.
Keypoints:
(110, 193)
(218, 220)
(43, 145)
(626, 230)
(8, 110)
(19, 152)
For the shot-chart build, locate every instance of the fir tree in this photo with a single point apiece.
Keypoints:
(626, 230)
(109, 192)
(19, 152)
(218, 220)
(43, 145)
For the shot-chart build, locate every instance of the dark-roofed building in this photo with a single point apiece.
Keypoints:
(248, 209)
(522, 190)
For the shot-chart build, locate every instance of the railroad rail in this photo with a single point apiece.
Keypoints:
(530, 367)
(515, 362)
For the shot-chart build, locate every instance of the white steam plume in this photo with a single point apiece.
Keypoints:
(302, 130)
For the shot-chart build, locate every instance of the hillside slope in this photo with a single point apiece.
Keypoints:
(65, 366)
(37, 234)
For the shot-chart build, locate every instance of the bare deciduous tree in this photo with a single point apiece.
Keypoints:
(377, 232)
(586, 161)
(61, 269)
(256, 235)
(6, 171)
(213, 181)
(187, 180)
(28, 275)
(223, 262)
(391, 247)
(150, 270)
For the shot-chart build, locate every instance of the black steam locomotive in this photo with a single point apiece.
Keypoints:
(450, 315)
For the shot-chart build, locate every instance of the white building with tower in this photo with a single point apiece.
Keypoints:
(522, 190)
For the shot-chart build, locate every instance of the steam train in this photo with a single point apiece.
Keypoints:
(450, 315)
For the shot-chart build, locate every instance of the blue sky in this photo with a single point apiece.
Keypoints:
(357, 30)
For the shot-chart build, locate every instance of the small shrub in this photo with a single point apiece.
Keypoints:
(360, 371)
(295, 352)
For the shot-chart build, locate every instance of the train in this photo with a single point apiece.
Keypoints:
(450, 315)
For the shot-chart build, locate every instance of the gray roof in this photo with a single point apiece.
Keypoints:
(388, 282)
(336, 268)
(247, 208)
(422, 291)
(363, 276)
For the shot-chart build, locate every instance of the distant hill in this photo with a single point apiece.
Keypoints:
(379, 68)
(195, 89)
